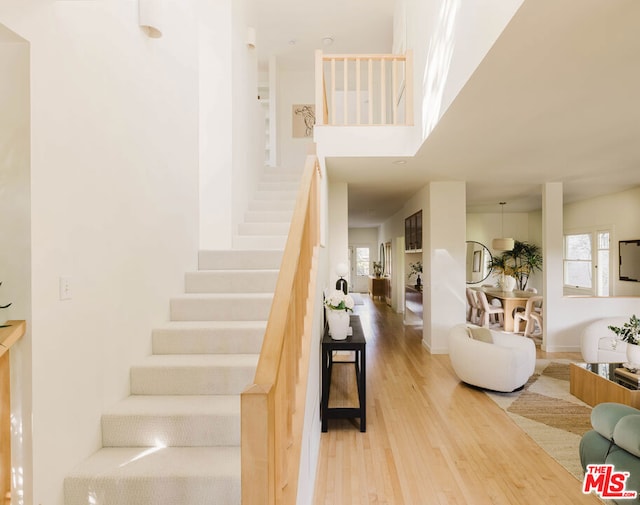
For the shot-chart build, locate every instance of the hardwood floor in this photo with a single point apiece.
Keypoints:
(430, 439)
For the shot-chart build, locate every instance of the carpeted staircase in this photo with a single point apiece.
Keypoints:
(176, 439)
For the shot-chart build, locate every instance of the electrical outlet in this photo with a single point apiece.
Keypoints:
(65, 288)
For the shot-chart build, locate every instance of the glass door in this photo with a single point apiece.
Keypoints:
(360, 268)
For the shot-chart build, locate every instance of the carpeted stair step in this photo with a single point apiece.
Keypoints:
(209, 337)
(221, 306)
(270, 205)
(284, 185)
(173, 421)
(158, 476)
(268, 216)
(239, 259)
(278, 194)
(281, 176)
(231, 281)
(193, 374)
(258, 242)
(263, 228)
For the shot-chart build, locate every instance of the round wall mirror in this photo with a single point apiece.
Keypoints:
(478, 260)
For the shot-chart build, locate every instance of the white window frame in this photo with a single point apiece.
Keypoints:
(594, 234)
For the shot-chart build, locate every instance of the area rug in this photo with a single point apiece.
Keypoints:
(549, 414)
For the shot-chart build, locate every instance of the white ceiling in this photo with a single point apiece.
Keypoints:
(357, 26)
(557, 99)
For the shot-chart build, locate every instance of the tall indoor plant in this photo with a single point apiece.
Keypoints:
(522, 261)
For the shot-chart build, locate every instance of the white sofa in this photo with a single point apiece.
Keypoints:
(598, 343)
(504, 365)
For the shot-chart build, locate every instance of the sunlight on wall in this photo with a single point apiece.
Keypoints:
(438, 64)
(17, 471)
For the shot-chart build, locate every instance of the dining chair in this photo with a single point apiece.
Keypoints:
(473, 313)
(494, 301)
(487, 310)
(529, 316)
(521, 309)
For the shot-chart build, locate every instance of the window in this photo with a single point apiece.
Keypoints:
(580, 271)
(577, 261)
(362, 261)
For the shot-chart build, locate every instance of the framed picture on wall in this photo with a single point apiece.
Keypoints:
(477, 256)
(304, 118)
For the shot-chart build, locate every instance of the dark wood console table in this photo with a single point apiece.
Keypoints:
(356, 343)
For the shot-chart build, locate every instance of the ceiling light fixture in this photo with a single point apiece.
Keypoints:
(502, 244)
(327, 41)
(151, 17)
(251, 37)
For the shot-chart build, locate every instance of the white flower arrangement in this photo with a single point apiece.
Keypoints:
(339, 301)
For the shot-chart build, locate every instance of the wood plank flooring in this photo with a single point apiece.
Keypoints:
(431, 439)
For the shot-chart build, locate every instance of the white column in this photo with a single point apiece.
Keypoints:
(552, 232)
(338, 229)
(443, 246)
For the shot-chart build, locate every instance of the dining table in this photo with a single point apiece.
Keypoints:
(510, 301)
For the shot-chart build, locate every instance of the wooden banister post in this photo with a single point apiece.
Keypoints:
(320, 87)
(9, 335)
(258, 445)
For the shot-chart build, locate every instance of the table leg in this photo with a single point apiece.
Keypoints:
(326, 381)
(363, 391)
(509, 306)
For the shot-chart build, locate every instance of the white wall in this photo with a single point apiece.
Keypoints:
(231, 120)
(114, 192)
(337, 229)
(449, 39)
(216, 110)
(293, 88)
(443, 257)
(566, 316)
(15, 231)
(619, 212)
(248, 137)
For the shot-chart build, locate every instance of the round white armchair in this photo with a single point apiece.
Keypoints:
(600, 345)
(491, 359)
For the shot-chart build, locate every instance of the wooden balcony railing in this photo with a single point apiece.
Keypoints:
(9, 335)
(273, 406)
(364, 89)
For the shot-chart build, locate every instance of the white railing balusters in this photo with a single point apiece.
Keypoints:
(388, 90)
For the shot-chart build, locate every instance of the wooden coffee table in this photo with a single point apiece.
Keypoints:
(595, 383)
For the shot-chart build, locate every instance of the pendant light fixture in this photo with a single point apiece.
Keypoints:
(502, 244)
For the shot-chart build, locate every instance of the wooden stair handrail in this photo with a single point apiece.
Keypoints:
(272, 408)
(9, 335)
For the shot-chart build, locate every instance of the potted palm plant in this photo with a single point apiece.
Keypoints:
(520, 263)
